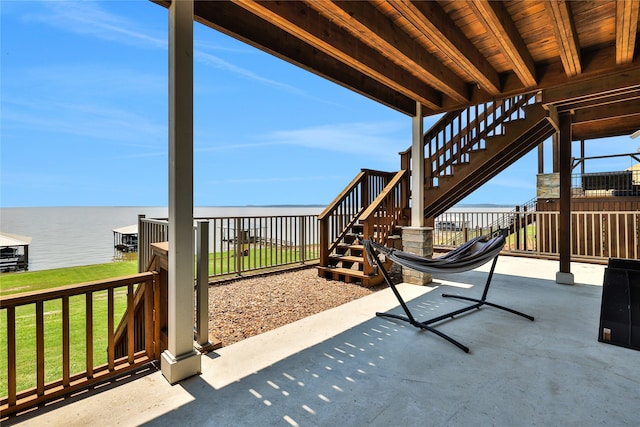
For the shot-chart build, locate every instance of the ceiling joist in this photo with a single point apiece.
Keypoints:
(500, 26)
(364, 21)
(626, 30)
(431, 20)
(305, 24)
(566, 35)
(447, 55)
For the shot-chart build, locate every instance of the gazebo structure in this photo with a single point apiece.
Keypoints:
(419, 58)
(14, 252)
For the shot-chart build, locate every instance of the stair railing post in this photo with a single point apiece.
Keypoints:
(365, 189)
(368, 232)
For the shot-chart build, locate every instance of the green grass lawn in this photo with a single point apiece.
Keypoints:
(25, 281)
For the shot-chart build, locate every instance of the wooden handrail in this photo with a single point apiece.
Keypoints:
(15, 300)
(383, 215)
(46, 389)
(331, 207)
(337, 219)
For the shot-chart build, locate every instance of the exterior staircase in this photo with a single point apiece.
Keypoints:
(464, 150)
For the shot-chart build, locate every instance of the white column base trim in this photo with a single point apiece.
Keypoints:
(176, 369)
(564, 278)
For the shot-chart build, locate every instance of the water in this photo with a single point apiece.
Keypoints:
(74, 236)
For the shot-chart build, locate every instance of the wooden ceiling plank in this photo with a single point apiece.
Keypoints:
(500, 26)
(366, 23)
(429, 18)
(566, 35)
(627, 13)
(291, 18)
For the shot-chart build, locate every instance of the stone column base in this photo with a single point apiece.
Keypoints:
(419, 241)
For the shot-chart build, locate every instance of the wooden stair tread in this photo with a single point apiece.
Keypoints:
(349, 258)
(344, 271)
(350, 246)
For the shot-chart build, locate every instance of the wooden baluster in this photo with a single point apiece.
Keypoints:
(89, 333)
(40, 348)
(11, 355)
(130, 324)
(66, 344)
(110, 331)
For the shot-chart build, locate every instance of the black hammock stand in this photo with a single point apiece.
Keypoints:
(472, 254)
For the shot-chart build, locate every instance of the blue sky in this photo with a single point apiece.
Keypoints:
(84, 118)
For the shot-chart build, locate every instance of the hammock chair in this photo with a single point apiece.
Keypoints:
(472, 254)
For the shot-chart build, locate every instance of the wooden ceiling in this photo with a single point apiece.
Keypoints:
(449, 54)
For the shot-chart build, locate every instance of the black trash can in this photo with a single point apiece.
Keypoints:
(620, 309)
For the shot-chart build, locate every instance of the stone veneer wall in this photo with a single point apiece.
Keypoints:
(419, 241)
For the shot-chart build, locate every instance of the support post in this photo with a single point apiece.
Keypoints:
(417, 168)
(555, 147)
(541, 158)
(203, 344)
(564, 276)
(180, 360)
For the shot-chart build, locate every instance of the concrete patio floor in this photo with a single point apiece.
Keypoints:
(346, 367)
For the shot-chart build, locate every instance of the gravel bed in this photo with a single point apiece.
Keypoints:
(247, 307)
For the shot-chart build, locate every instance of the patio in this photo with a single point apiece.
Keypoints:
(347, 367)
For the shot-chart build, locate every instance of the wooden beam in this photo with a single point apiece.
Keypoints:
(627, 12)
(240, 24)
(368, 25)
(599, 100)
(429, 18)
(608, 111)
(615, 83)
(615, 126)
(304, 23)
(566, 36)
(500, 26)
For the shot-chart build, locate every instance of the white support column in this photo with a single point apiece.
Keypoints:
(180, 360)
(417, 169)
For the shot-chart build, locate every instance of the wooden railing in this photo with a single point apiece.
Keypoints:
(456, 134)
(243, 244)
(595, 236)
(150, 231)
(338, 218)
(67, 337)
(384, 214)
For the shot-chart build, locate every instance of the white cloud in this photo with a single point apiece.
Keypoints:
(376, 140)
(88, 18)
(81, 119)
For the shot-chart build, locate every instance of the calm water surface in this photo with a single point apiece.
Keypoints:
(73, 236)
